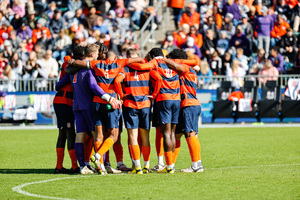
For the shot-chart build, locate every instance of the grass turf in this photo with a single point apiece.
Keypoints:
(239, 163)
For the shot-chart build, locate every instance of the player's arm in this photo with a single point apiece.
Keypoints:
(118, 81)
(186, 62)
(72, 70)
(158, 82)
(146, 66)
(176, 66)
(60, 84)
(116, 104)
(83, 63)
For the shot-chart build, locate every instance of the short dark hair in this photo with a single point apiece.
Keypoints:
(131, 51)
(103, 48)
(78, 52)
(155, 52)
(178, 54)
(275, 48)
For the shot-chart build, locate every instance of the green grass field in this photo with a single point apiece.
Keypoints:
(239, 163)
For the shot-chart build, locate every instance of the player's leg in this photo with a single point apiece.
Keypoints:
(175, 107)
(159, 150)
(168, 147)
(118, 149)
(71, 135)
(144, 129)
(60, 152)
(177, 147)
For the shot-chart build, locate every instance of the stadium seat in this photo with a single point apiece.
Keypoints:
(250, 92)
(223, 108)
(270, 100)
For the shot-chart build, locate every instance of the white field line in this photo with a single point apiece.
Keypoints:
(19, 188)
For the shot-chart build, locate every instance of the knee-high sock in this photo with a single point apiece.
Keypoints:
(60, 153)
(118, 149)
(79, 150)
(159, 142)
(136, 154)
(198, 150)
(177, 150)
(169, 158)
(146, 154)
(193, 148)
(88, 148)
(107, 144)
(73, 157)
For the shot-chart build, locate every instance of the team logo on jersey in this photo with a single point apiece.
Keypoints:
(69, 125)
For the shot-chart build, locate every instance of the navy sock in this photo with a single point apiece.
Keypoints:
(79, 150)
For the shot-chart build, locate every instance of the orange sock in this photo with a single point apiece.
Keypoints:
(118, 149)
(140, 142)
(107, 144)
(177, 150)
(159, 142)
(198, 150)
(60, 153)
(97, 146)
(193, 147)
(88, 147)
(146, 153)
(169, 157)
(73, 157)
(135, 152)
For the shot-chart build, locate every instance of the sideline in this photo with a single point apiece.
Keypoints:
(19, 188)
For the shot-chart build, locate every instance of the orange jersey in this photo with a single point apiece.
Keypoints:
(279, 29)
(106, 72)
(190, 20)
(188, 88)
(65, 95)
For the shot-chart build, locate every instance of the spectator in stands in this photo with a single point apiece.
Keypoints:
(110, 20)
(14, 40)
(209, 44)
(40, 52)
(30, 65)
(30, 20)
(16, 65)
(3, 63)
(288, 45)
(210, 24)
(24, 32)
(90, 20)
(233, 8)
(61, 46)
(197, 36)
(9, 74)
(243, 59)
(119, 9)
(94, 37)
(39, 72)
(296, 67)
(100, 26)
(37, 32)
(182, 34)
(259, 59)
(8, 52)
(191, 17)
(50, 11)
(18, 8)
(74, 5)
(282, 8)
(169, 43)
(215, 63)
(204, 83)
(124, 24)
(235, 74)
(277, 60)
(247, 30)
(263, 25)
(177, 6)
(100, 7)
(191, 47)
(57, 24)
(16, 22)
(45, 41)
(136, 7)
(243, 8)
(239, 40)
(295, 21)
(228, 25)
(268, 70)
(279, 30)
(222, 43)
(49, 65)
(23, 53)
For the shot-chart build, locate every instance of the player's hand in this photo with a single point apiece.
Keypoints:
(116, 104)
(71, 61)
(150, 97)
(124, 96)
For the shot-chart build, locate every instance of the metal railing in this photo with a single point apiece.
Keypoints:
(150, 21)
(209, 82)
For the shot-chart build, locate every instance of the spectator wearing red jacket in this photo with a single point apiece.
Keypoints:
(177, 6)
(37, 32)
(191, 17)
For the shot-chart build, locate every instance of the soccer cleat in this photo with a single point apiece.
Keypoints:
(123, 167)
(146, 170)
(111, 170)
(92, 169)
(192, 170)
(158, 167)
(74, 171)
(61, 171)
(96, 163)
(136, 170)
(166, 170)
(85, 170)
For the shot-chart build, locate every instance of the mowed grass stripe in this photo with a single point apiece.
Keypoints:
(29, 156)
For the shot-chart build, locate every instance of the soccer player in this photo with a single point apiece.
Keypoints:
(190, 110)
(85, 86)
(136, 110)
(63, 102)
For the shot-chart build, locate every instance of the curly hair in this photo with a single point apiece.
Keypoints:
(177, 54)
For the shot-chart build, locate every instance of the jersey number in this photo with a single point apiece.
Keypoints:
(136, 76)
(75, 78)
(106, 74)
(168, 73)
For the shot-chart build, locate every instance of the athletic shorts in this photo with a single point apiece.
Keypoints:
(84, 121)
(136, 118)
(64, 115)
(167, 111)
(154, 115)
(121, 124)
(103, 117)
(188, 119)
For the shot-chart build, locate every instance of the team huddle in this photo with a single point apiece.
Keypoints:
(99, 91)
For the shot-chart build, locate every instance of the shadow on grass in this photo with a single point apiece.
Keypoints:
(26, 171)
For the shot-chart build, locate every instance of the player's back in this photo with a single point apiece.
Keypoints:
(83, 96)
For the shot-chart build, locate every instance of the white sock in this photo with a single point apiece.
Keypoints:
(120, 163)
(97, 156)
(194, 165)
(170, 166)
(173, 165)
(147, 163)
(102, 167)
(87, 163)
(161, 160)
(137, 163)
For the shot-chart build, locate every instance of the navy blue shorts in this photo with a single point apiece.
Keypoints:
(64, 115)
(167, 111)
(188, 119)
(84, 121)
(104, 117)
(154, 115)
(136, 118)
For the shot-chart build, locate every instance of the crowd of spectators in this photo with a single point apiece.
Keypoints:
(35, 35)
(238, 38)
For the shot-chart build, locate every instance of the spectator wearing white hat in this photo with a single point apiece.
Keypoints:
(191, 47)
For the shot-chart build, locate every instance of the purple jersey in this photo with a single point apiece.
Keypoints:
(84, 87)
